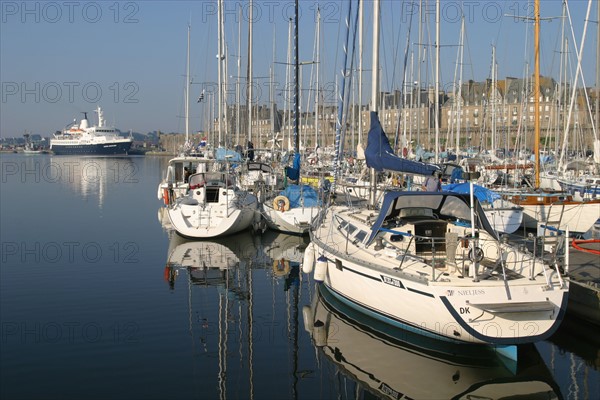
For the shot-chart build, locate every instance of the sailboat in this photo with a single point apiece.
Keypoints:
(430, 262)
(202, 193)
(175, 181)
(293, 209)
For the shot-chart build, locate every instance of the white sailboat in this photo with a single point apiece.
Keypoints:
(293, 209)
(175, 181)
(214, 206)
(430, 263)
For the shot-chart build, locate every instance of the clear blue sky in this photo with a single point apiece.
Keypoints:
(58, 59)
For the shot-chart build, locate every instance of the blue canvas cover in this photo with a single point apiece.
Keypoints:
(483, 194)
(379, 154)
(301, 195)
(227, 155)
(294, 172)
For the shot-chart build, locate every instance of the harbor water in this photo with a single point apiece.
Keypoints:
(99, 299)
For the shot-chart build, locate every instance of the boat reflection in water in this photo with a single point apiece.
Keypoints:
(391, 363)
(90, 177)
(282, 252)
(208, 262)
(233, 291)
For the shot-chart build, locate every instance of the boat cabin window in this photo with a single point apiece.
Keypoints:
(360, 236)
(416, 213)
(196, 181)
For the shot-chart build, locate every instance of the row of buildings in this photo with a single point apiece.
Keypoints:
(481, 114)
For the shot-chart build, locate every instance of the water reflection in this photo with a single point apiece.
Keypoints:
(391, 363)
(573, 355)
(208, 262)
(238, 288)
(90, 177)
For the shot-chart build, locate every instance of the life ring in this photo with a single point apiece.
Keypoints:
(281, 267)
(281, 203)
(166, 196)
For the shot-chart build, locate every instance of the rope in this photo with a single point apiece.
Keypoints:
(576, 244)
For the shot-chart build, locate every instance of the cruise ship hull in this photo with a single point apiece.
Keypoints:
(92, 149)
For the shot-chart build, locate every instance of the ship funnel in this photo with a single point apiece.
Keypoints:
(84, 122)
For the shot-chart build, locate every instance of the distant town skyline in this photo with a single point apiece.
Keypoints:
(59, 59)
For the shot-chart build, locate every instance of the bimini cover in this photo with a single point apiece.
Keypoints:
(380, 156)
(483, 194)
(451, 206)
(301, 196)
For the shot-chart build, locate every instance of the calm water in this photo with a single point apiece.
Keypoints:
(99, 300)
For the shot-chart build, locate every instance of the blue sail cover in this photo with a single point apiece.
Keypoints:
(294, 172)
(301, 196)
(483, 194)
(379, 154)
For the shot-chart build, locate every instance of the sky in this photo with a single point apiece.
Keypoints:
(61, 58)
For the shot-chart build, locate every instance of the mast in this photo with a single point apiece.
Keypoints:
(375, 58)
(418, 88)
(459, 95)
(317, 61)
(360, 70)
(187, 89)
(437, 80)
(219, 73)
(536, 89)
(493, 98)
(296, 83)
(237, 84)
(272, 95)
(597, 72)
(250, 67)
(375, 89)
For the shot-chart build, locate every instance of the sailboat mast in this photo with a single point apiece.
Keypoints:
(374, 90)
(187, 89)
(536, 89)
(219, 69)
(250, 68)
(317, 61)
(597, 67)
(296, 83)
(459, 95)
(493, 98)
(375, 68)
(360, 70)
(237, 84)
(437, 81)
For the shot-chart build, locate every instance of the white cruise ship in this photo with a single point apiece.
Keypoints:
(85, 140)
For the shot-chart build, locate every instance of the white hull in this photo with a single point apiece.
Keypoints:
(504, 219)
(577, 217)
(195, 222)
(213, 207)
(295, 220)
(398, 284)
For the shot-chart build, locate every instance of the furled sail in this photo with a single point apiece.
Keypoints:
(380, 156)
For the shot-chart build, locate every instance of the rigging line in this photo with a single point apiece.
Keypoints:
(403, 87)
(338, 143)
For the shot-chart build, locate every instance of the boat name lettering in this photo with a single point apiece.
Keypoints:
(468, 292)
(392, 281)
(385, 388)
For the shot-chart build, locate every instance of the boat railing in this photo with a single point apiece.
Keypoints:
(512, 260)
